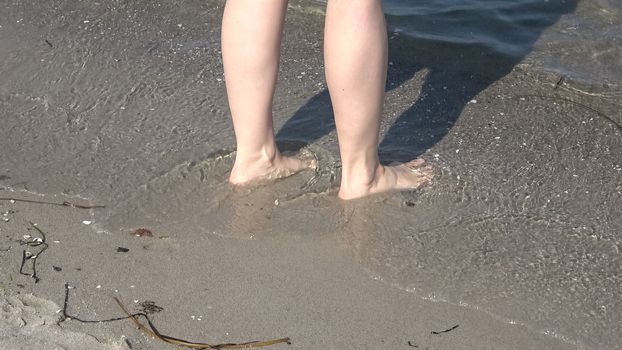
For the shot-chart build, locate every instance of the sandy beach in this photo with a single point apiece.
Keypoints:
(119, 111)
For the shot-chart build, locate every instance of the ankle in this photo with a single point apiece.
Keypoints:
(250, 163)
(266, 154)
(357, 182)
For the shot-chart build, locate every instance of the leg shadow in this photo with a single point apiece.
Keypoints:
(492, 39)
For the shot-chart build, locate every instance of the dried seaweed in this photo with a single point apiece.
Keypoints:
(63, 204)
(151, 330)
(35, 242)
(446, 331)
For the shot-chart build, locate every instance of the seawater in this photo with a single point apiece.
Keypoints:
(581, 40)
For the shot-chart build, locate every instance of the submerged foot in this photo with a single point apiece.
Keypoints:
(395, 177)
(251, 172)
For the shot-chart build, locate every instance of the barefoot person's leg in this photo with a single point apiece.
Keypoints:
(251, 39)
(356, 65)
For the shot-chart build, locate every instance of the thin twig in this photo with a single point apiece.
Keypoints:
(63, 204)
(447, 330)
(41, 242)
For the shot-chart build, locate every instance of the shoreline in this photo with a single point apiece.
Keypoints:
(125, 105)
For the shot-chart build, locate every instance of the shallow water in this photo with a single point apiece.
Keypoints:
(578, 39)
(125, 106)
(532, 238)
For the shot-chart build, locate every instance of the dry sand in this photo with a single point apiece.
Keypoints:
(517, 241)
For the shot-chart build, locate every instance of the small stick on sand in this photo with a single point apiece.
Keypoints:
(63, 204)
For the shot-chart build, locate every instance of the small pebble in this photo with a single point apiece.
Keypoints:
(98, 286)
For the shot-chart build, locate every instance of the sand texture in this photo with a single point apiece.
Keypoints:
(119, 109)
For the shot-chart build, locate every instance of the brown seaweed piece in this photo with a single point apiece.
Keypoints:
(142, 232)
(151, 330)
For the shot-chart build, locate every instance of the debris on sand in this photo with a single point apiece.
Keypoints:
(142, 232)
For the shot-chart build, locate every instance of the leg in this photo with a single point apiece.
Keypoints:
(251, 40)
(356, 65)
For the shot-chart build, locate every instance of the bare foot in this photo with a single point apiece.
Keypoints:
(250, 172)
(395, 177)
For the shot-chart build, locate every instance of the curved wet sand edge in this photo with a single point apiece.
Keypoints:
(104, 115)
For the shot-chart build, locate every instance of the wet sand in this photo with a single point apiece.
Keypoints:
(517, 240)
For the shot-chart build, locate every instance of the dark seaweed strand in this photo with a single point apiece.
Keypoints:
(21, 267)
(447, 330)
(44, 246)
(71, 317)
(63, 204)
(160, 336)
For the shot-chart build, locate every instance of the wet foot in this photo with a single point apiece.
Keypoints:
(395, 177)
(252, 172)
